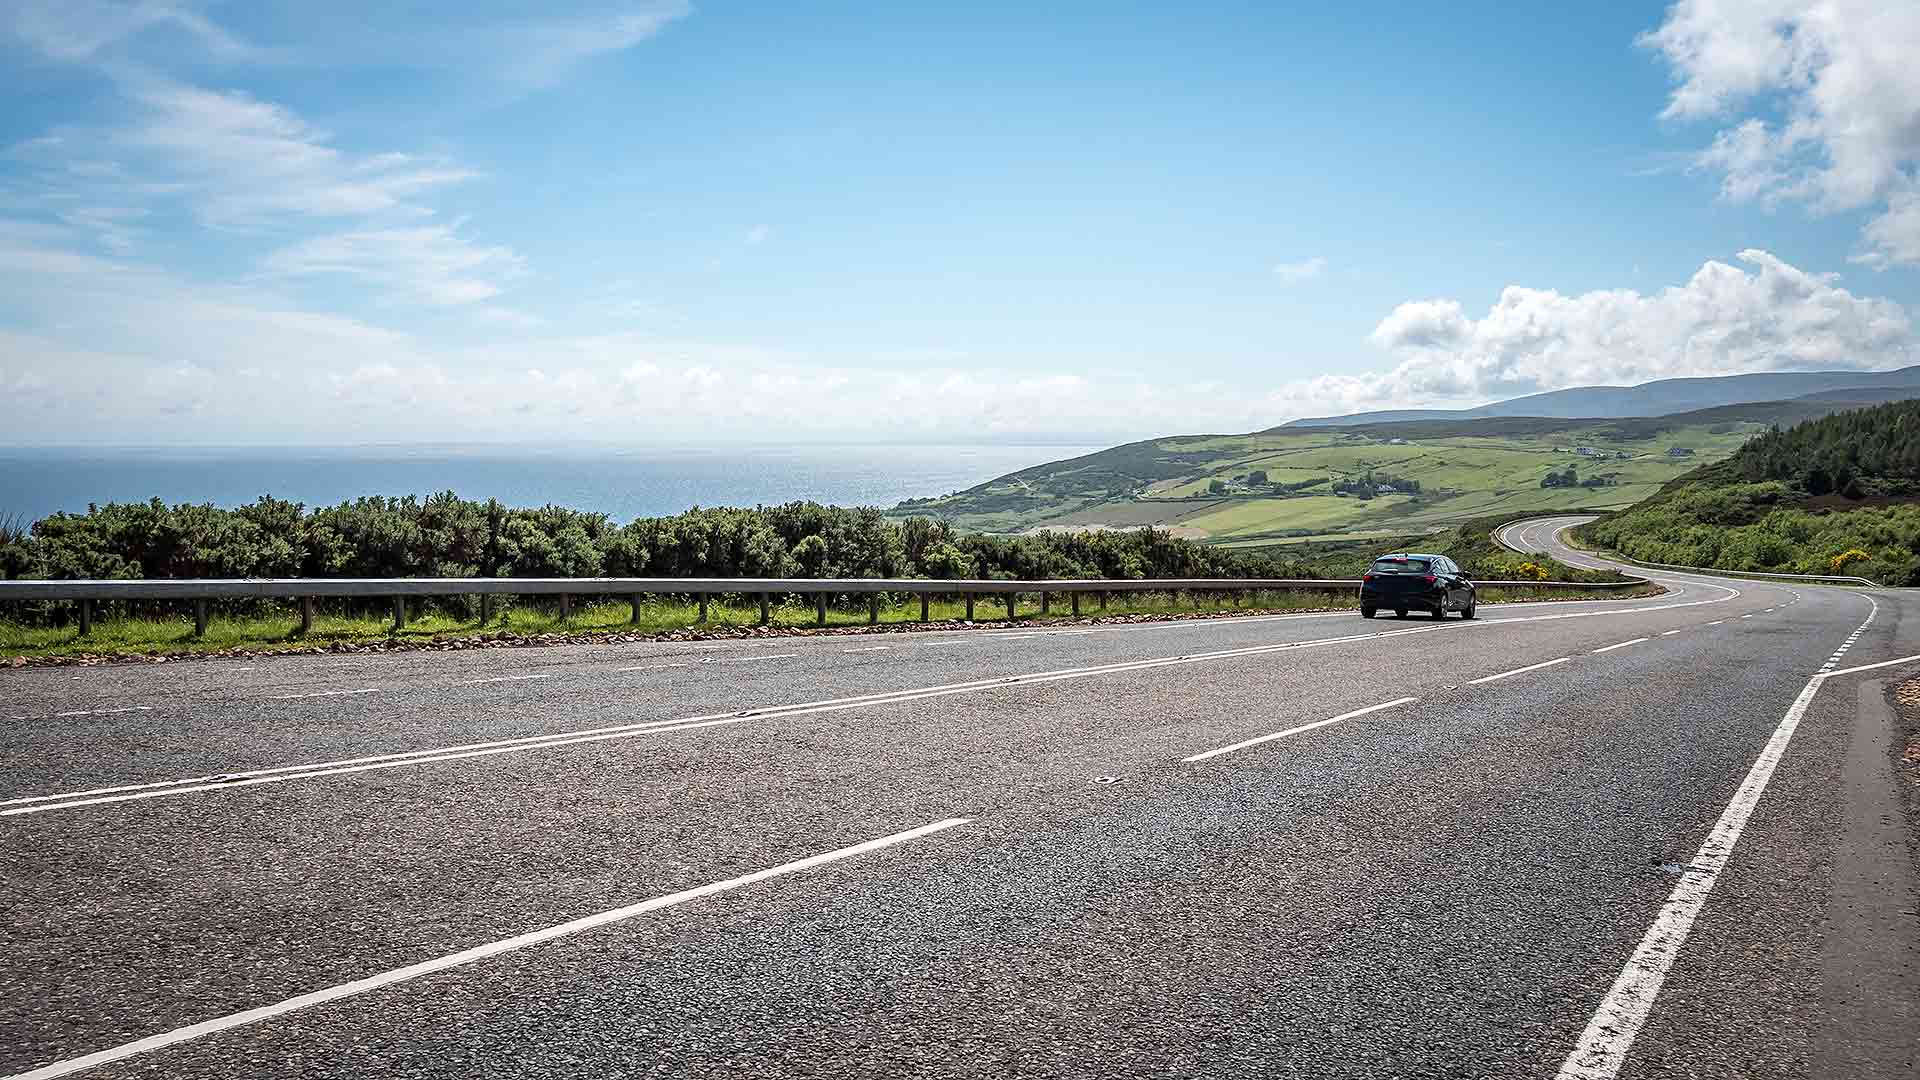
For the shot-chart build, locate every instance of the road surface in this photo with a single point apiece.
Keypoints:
(1643, 838)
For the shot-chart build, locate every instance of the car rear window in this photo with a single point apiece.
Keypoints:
(1399, 566)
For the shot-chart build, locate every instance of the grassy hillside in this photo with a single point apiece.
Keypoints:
(1839, 494)
(1290, 484)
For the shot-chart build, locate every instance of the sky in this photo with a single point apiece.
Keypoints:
(675, 223)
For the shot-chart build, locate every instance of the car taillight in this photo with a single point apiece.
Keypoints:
(1364, 578)
(1430, 579)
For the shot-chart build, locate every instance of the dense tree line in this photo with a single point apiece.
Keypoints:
(447, 536)
(1751, 511)
(1853, 453)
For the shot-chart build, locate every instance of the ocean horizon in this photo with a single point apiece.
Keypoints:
(621, 482)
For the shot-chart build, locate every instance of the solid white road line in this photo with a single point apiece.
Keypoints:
(466, 956)
(1603, 1047)
(1297, 730)
(255, 777)
(505, 678)
(1869, 667)
(1517, 671)
(1621, 645)
(871, 648)
(339, 767)
(1668, 633)
(652, 667)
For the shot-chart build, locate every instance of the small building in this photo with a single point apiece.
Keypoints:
(1589, 451)
(1679, 451)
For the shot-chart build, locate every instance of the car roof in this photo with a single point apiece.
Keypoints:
(1405, 555)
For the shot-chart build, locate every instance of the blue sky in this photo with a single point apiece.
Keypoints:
(661, 222)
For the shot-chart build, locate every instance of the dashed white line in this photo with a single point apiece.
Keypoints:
(1517, 671)
(1668, 633)
(505, 678)
(871, 648)
(1621, 645)
(651, 667)
(466, 956)
(1297, 730)
(326, 693)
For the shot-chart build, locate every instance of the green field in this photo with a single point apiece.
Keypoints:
(1464, 470)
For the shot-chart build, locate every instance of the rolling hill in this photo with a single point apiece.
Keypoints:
(1290, 484)
(1662, 397)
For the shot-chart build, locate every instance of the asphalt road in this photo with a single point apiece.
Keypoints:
(1638, 838)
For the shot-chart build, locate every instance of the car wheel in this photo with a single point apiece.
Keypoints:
(1369, 612)
(1399, 613)
(1440, 611)
(1467, 612)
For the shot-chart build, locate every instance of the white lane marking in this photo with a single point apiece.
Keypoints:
(504, 678)
(1297, 730)
(1869, 667)
(1517, 671)
(652, 667)
(466, 956)
(326, 693)
(1668, 633)
(88, 712)
(747, 659)
(1749, 616)
(1603, 1046)
(255, 777)
(1716, 622)
(871, 648)
(1621, 645)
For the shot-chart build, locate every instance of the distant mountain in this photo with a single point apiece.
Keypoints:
(1661, 398)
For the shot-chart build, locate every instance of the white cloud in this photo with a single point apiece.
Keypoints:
(121, 349)
(431, 262)
(1725, 319)
(1836, 96)
(540, 53)
(79, 29)
(1290, 273)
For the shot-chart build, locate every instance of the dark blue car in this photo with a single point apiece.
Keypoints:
(1415, 582)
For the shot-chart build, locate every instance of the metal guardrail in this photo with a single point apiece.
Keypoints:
(399, 590)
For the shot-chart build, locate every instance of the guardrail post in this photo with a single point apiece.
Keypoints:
(923, 607)
(486, 608)
(1103, 599)
(633, 616)
(399, 612)
(1076, 605)
(199, 618)
(969, 607)
(703, 607)
(306, 615)
(1046, 603)
(873, 610)
(1012, 599)
(566, 607)
(766, 616)
(820, 608)
(86, 617)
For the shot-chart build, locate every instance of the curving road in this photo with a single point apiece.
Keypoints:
(1643, 838)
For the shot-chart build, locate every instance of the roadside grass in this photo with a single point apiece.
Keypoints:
(277, 630)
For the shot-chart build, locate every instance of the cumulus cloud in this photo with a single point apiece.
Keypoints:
(1835, 98)
(1768, 316)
